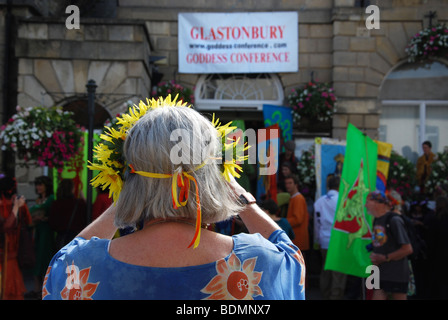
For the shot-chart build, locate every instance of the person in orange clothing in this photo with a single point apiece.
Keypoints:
(424, 165)
(297, 215)
(13, 214)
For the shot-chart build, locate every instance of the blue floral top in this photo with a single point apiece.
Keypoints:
(255, 269)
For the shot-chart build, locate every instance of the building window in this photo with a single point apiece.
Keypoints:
(238, 91)
(415, 108)
(81, 117)
(362, 3)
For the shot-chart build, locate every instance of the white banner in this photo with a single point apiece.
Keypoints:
(261, 42)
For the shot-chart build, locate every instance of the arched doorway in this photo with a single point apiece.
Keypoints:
(415, 107)
(80, 113)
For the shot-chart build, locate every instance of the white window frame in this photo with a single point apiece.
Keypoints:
(236, 104)
(422, 104)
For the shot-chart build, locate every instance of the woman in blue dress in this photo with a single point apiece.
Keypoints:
(175, 183)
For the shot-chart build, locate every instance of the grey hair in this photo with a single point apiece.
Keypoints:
(394, 194)
(149, 147)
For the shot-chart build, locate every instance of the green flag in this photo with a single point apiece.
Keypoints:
(351, 233)
(76, 169)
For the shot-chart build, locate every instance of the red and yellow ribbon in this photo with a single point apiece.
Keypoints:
(180, 179)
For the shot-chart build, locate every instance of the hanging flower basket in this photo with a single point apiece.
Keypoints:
(313, 103)
(402, 175)
(172, 88)
(431, 42)
(438, 179)
(42, 136)
(307, 172)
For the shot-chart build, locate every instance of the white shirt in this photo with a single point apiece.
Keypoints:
(323, 223)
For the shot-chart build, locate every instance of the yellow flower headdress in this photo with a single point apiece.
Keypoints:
(109, 160)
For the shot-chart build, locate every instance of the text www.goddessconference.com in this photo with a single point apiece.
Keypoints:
(225, 309)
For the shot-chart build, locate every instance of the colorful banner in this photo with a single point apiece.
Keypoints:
(384, 151)
(329, 158)
(279, 115)
(76, 169)
(351, 233)
(242, 42)
(267, 157)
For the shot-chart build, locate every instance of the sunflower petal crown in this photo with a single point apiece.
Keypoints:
(108, 156)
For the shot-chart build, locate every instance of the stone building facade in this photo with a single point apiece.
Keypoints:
(115, 43)
(334, 44)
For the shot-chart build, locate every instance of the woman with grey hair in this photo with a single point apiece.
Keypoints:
(174, 184)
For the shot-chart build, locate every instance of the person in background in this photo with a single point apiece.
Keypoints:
(285, 170)
(332, 283)
(13, 215)
(391, 246)
(68, 214)
(297, 215)
(270, 207)
(43, 234)
(288, 156)
(424, 165)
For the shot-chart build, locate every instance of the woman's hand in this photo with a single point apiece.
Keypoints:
(17, 203)
(255, 219)
(235, 186)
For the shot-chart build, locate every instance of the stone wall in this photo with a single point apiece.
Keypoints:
(55, 64)
(334, 45)
(362, 58)
(315, 33)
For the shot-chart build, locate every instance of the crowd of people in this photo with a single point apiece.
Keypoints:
(30, 236)
(410, 249)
